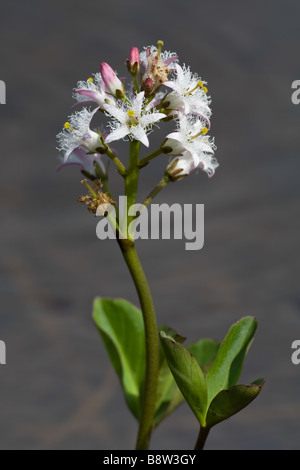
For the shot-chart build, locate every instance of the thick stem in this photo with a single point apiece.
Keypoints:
(152, 343)
(142, 287)
(132, 175)
(202, 436)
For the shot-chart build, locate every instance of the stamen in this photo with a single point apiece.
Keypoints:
(189, 92)
(199, 85)
(91, 80)
(131, 115)
(160, 45)
(204, 131)
(68, 126)
(86, 184)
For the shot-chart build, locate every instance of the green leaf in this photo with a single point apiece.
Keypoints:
(121, 327)
(205, 351)
(188, 375)
(169, 396)
(226, 369)
(231, 401)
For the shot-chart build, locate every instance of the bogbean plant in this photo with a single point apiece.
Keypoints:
(157, 371)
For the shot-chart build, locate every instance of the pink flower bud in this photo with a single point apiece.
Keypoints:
(112, 82)
(133, 61)
(148, 85)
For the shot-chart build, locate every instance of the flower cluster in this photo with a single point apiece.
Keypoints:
(160, 90)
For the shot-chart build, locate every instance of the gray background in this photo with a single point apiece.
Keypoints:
(57, 390)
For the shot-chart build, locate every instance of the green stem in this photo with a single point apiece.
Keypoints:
(143, 290)
(152, 343)
(150, 157)
(116, 161)
(103, 177)
(202, 436)
(132, 175)
(136, 83)
(163, 182)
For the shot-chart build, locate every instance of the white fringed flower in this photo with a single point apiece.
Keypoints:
(93, 90)
(188, 95)
(193, 147)
(77, 133)
(131, 118)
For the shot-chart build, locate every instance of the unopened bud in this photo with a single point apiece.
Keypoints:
(112, 82)
(133, 61)
(148, 85)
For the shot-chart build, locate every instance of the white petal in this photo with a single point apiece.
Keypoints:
(139, 134)
(170, 84)
(117, 134)
(176, 135)
(177, 148)
(179, 72)
(138, 102)
(148, 119)
(116, 112)
(185, 164)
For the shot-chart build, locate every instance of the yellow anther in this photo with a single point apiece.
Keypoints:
(201, 85)
(68, 126)
(203, 131)
(132, 119)
(91, 80)
(189, 92)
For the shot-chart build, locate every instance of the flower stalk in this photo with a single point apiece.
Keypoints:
(162, 184)
(144, 161)
(132, 174)
(152, 343)
(117, 162)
